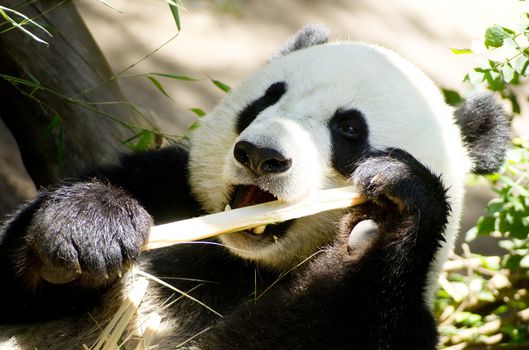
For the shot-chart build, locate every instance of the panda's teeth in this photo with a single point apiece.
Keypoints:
(259, 230)
(227, 207)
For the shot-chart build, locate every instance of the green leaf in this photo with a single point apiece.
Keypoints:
(516, 334)
(486, 224)
(495, 81)
(515, 185)
(55, 123)
(518, 229)
(158, 85)
(33, 79)
(221, 85)
(508, 73)
(144, 141)
(508, 31)
(174, 76)
(198, 112)
(511, 262)
(506, 244)
(471, 234)
(515, 105)
(176, 15)
(490, 262)
(461, 51)
(106, 3)
(505, 221)
(20, 25)
(525, 262)
(520, 65)
(452, 97)
(468, 319)
(448, 330)
(495, 206)
(475, 77)
(516, 202)
(486, 295)
(194, 126)
(494, 36)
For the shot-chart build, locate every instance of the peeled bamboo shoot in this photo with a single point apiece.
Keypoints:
(249, 217)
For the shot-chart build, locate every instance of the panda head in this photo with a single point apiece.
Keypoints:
(302, 123)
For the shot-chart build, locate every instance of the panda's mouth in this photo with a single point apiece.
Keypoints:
(246, 195)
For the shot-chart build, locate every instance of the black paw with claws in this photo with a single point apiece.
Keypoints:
(84, 232)
(395, 177)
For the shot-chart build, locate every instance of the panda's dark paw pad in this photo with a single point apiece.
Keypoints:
(86, 232)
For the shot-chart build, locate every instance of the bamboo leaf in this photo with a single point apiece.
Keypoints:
(198, 111)
(461, 51)
(174, 76)
(107, 3)
(176, 15)
(221, 85)
(34, 79)
(158, 85)
(20, 25)
(55, 122)
(194, 126)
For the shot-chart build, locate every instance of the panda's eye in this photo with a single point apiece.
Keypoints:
(348, 130)
(348, 124)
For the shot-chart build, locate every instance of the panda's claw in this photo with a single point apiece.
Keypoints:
(56, 274)
(391, 177)
(398, 183)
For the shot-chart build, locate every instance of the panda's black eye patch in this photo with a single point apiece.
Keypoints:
(349, 137)
(251, 111)
(349, 124)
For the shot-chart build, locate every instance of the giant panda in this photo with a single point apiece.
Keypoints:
(318, 115)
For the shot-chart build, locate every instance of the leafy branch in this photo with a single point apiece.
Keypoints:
(483, 302)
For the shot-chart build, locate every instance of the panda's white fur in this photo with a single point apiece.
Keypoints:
(403, 108)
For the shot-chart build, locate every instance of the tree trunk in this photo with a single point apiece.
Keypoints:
(63, 127)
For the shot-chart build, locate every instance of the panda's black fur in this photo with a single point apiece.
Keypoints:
(364, 289)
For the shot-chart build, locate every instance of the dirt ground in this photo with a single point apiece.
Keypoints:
(229, 39)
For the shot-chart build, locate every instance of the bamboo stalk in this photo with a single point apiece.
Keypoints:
(251, 216)
(149, 334)
(114, 330)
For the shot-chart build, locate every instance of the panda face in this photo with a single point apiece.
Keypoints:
(300, 125)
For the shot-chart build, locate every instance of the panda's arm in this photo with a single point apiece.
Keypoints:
(158, 179)
(61, 250)
(365, 291)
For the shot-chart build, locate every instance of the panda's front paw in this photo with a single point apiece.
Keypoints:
(84, 232)
(395, 179)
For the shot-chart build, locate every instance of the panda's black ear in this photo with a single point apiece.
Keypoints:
(309, 35)
(485, 130)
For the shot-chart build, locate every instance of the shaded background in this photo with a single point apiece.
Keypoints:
(228, 40)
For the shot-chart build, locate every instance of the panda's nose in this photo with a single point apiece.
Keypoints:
(260, 160)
